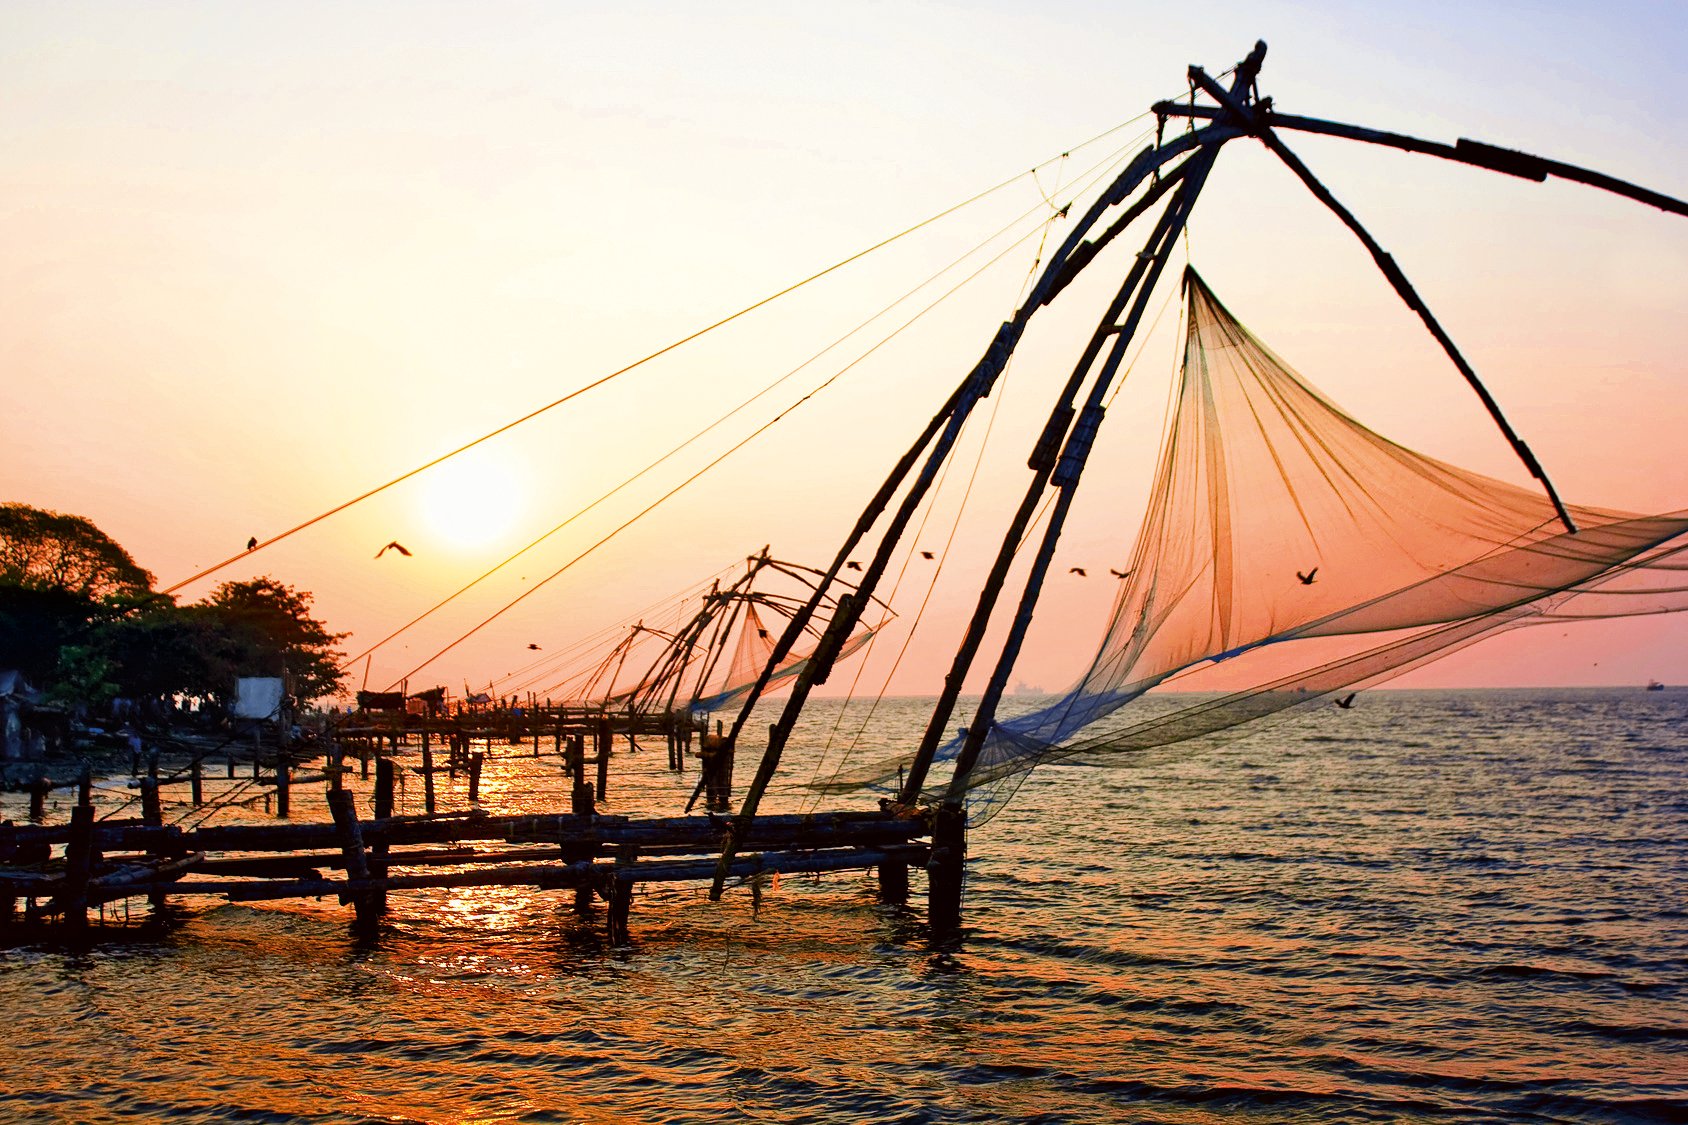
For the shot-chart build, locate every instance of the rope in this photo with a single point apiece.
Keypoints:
(758, 432)
(530, 415)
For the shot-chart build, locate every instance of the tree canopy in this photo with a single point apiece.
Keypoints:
(273, 634)
(78, 615)
(42, 550)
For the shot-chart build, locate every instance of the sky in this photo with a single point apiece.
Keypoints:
(261, 258)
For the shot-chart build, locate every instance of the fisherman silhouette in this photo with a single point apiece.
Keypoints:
(1307, 579)
(395, 545)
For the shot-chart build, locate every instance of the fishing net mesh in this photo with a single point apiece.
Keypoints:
(1290, 552)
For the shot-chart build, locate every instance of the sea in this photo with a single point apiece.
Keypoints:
(1434, 906)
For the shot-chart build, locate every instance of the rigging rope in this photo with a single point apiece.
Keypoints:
(881, 244)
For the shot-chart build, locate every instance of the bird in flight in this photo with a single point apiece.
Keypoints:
(926, 554)
(395, 545)
(1078, 570)
(1118, 573)
(534, 647)
(852, 565)
(252, 543)
(1346, 701)
(1307, 579)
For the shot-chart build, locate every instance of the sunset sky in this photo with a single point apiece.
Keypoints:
(260, 258)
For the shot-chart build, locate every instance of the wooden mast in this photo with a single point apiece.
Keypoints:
(1397, 279)
(976, 386)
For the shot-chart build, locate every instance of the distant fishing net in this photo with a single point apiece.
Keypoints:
(1289, 552)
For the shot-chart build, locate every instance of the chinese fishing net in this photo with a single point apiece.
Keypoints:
(1290, 552)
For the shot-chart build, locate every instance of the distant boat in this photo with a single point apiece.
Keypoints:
(1654, 685)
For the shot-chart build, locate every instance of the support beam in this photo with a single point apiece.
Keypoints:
(1397, 279)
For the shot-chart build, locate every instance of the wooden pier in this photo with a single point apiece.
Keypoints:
(60, 872)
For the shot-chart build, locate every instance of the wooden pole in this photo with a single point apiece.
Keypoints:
(475, 778)
(602, 737)
(152, 810)
(386, 773)
(946, 869)
(283, 784)
(78, 863)
(38, 790)
(582, 802)
(343, 808)
(1397, 279)
(427, 773)
(196, 781)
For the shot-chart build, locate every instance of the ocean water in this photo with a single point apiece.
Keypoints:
(1464, 906)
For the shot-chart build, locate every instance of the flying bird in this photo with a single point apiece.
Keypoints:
(1118, 573)
(395, 545)
(1307, 579)
(852, 565)
(534, 647)
(252, 543)
(926, 554)
(1346, 701)
(1078, 570)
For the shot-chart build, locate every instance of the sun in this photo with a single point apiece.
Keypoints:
(472, 500)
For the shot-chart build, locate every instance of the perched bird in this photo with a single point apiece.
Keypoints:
(252, 543)
(534, 647)
(1078, 570)
(852, 565)
(1346, 701)
(395, 545)
(1307, 579)
(1118, 573)
(926, 554)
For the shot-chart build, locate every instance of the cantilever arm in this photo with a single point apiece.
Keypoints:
(1465, 151)
(1403, 287)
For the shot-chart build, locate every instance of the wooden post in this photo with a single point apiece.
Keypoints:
(78, 863)
(196, 781)
(475, 777)
(604, 741)
(893, 882)
(283, 785)
(386, 774)
(427, 773)
(38, 790)
(152, 810)
(621, 905)
(581, 803)
(231, 766)
(344, 810)
(85, 786)
(946, 869)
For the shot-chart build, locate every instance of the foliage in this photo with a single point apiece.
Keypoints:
(42, 550)
(36, 624)
(78, 617)
(272, 633)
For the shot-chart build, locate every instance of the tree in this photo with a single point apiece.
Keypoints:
(42, 550)
(272, 633)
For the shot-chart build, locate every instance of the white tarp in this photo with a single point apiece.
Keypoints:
(257, 697)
